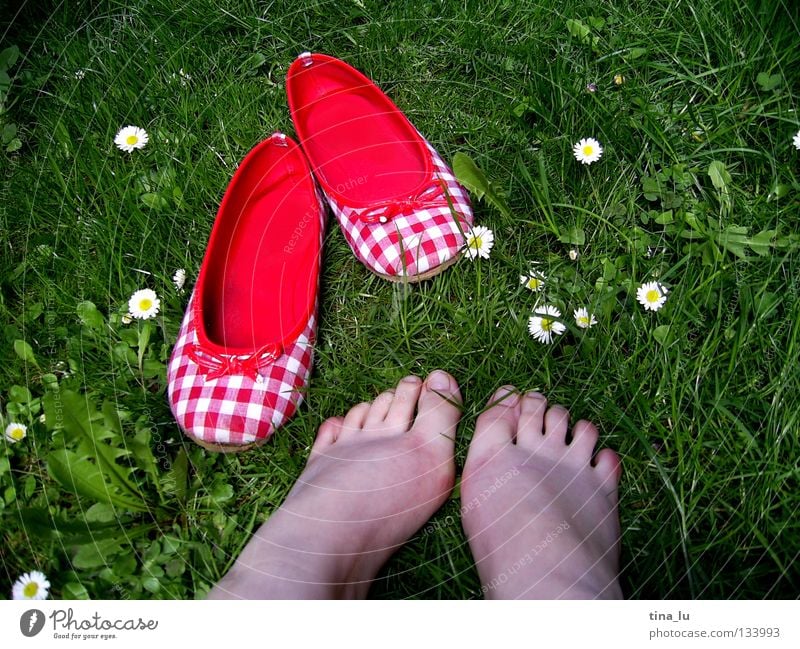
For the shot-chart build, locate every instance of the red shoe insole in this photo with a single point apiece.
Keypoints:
(261, 279)
(358, 142)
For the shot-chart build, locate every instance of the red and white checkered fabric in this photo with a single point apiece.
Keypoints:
(412, 243)
(235, 409)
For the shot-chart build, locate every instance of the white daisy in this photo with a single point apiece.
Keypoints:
(534, 280)
(587, 151)
(583, 318)
(16, 432)
(543, 324)
(144, 304)
(651, 296)
(32, 585)
(130, 138)
(127, 319)
(179, 279)
(573, 254)
(479, 242)
(796, 141)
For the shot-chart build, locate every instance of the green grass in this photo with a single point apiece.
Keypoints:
(705, 414)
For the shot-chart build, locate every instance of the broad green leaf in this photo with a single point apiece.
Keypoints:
(82, 421)
(14, 145)
(154, 201)
(596, 23)
(779, 190)
(19, 394)
(635, 53)
(8, 57)
(578, 30)
(761, 242)
(661, 334)
(665, 218)
(574, 236)
(221, 493)
(651, 187)
(25, 352)
(144, 338)
(96, 554)
(719, 174)
(733, 238)
(9, 133)
(84, 478)
(100, 513)
(73, 590)
(176, 480)
(768, 81)
(90, 316)
(473, 178)
(253, 62)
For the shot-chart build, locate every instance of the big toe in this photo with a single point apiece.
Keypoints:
(438, 409)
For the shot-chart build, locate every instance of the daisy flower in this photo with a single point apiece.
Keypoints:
(583, 318)
(479, 242)
(179, 278)
(587, 151)
(130, 138)
(32, 585)
(796, 141)
(573, 254)
(126, 319)
(543, 324)
(618, 79)
(534, 280)
(651, 296)
(16, 432)
(144, 304)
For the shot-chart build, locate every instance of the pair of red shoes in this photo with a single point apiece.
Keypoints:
(244, 351)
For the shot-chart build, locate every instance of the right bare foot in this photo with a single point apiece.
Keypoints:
(541, 519)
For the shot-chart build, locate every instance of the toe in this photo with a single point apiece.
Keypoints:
(584, 438)
(378, 409)
(354, 420)
(609, 467)
(327, 434)
(531, 420)
(497, 425)
(401, 412)
(556, 422)
(439, 408)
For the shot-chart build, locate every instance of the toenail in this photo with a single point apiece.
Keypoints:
(438, 380)
(535, 396)
(410, 379)
(507, 395)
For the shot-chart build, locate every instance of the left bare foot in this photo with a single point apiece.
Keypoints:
(373, 478)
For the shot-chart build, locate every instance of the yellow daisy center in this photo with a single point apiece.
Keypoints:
(653, 295)
(145, 304)
(132, 139)
(17, 434)
(30, 589)
(477, 243)
(547, 324)
(534, 283)
(588, 149)
(584, 320)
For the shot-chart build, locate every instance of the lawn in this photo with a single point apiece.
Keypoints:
(695, 104)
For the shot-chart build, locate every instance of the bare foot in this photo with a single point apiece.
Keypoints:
(373, 478)
(541, 519)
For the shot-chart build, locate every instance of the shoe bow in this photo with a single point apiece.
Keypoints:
(215, 365)
(432, 195)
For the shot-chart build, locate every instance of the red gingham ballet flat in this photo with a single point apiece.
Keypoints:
(243, 354)
(399, 205)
